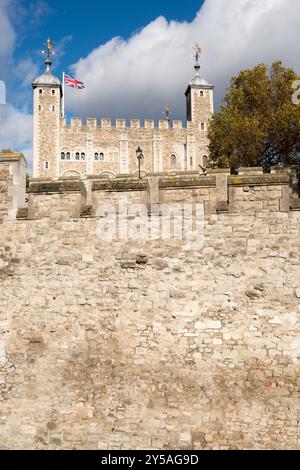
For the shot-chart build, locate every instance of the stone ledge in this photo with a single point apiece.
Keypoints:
(49, 187)
(187, 182)
(259, 180)
(119, 185)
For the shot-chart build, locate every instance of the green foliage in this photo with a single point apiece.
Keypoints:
(258, 124)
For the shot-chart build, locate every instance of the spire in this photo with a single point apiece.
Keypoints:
(197, 80)
(48, 53)
(47, 78)
(197, 56)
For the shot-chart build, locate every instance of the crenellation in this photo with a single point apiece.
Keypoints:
(177, 124)
(120, 123)
(91, 122)
(76, 122)
(163, 124)
(135, 124)
(149, 124)
(106, 123)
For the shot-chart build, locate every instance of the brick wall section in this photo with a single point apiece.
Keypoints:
(117, 345)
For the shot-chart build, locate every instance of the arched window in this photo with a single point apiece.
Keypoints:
(53, 92)
(205, 160)
(68, 156)
(173, 160)
(202, 126)
(53, 108)
(201, 93)
(62, 156)
(77, 156)
(40, 107)
(82, 156)
(96, 156)
(41, 91)
(101, 156)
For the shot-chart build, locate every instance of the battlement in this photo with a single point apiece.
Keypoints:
(250, 190)
(120, 123)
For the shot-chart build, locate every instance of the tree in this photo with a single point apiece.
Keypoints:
(258, 124)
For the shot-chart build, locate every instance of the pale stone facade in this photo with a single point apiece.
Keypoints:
(109, 149)
(156, 345)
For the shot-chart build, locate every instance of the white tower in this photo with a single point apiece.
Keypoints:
(47, 92)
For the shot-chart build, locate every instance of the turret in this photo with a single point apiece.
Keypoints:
(199, 98)
(47, 92)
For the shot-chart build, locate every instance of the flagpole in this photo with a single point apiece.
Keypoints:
(63, 98)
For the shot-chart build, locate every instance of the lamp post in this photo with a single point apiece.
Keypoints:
(139, 156)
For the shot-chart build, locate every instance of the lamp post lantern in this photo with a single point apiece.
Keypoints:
(139, 156)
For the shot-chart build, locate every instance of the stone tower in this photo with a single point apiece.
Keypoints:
(199, 100)
(46, 119)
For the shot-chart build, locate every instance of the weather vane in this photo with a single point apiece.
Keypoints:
(50, 49)
(198, 52)
(168, 112)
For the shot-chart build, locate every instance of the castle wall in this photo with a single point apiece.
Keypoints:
(155, 344)
(119, 143)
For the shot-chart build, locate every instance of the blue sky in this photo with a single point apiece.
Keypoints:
(134, 56)
(94, 22)
(76, 29)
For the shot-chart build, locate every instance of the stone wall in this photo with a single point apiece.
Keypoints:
(119, 142)
(152, 344)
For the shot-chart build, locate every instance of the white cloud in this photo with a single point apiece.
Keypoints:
(15, 125)
(136, 77)
(15, 128)
(7, 39)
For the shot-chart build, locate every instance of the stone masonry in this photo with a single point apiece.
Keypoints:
(156, 344)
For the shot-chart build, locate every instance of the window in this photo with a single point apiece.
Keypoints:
(191, 161)
(68, 156)
(53, 92)
(46, 165)
(202, 126)
(101, 156)
(96, 156)
(77, 156)
(53, 108)
(173, 160)
(41, 91)
(82, 156)
(62, 156)
(205, 160)
(201, 93)
(40, 107)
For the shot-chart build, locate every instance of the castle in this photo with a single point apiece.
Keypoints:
(155, 344)
(61, 150)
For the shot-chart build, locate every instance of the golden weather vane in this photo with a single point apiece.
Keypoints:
(198, 52)
(50, 49)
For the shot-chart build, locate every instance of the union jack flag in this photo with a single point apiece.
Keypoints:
(72, 82)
